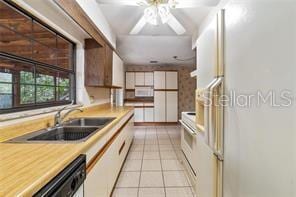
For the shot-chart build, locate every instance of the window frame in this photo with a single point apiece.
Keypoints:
(35, 64)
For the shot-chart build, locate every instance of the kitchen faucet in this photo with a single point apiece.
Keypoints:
(58, 118)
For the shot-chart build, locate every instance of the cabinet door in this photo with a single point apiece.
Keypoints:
(108, 66)
(159, 106)
(172, 80)
(172, 106)
(159, 80)
(139, 114)
(94, 63)
(149, 114)
(130, 80)
(148, 78)
(115, 163)
(94, 184)
(118, 71)
(140, 79)
(118, 151)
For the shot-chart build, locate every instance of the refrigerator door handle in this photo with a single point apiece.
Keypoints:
(212, 121)
(207, 108)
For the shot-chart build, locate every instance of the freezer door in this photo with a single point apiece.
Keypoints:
(206, 49)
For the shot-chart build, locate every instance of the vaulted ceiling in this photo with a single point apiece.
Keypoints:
(153, 43)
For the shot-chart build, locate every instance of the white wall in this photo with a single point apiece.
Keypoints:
(91, 7)
(51, 14)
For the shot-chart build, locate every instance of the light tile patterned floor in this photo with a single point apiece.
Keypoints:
(152, 167)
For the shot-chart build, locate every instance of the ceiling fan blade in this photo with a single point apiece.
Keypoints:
(193, 3)
(124, 2)
(176, 25)
(139, 26)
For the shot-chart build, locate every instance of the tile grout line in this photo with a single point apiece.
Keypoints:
(187, 179)
(165, 131)
(164, 186)
(138, 190)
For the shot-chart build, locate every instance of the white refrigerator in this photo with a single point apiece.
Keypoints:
(248, 149)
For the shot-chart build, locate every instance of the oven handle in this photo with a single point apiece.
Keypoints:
(192, 133)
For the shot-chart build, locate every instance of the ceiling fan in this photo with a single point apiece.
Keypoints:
(159, 11)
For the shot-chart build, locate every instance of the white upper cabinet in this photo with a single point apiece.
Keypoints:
(130, 80)
(117, 71)
(148, 78)
(159, 80)
(171, 80)
(140, 79)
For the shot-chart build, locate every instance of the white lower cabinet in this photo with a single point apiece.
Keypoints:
(160, 106)
(96, 183)
(102, 177)
(172, 106)
(149, 114)
(139, 114)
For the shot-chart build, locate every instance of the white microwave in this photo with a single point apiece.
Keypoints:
(144, 92)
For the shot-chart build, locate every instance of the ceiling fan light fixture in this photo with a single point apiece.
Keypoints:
(172, 4)
(164, 13)
(150, 15)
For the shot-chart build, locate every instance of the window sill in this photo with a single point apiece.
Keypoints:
(31, 113)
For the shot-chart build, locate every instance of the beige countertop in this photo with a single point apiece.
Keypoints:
(26, 168)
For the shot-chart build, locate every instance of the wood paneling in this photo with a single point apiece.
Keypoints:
(73, 9)
(23, 35)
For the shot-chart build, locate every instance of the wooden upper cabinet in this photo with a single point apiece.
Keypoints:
(98, 64)
(94, 63)
(108, 66)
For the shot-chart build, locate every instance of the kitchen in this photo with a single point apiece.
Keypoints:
(133, 98)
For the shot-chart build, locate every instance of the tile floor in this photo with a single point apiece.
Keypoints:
(152, 167)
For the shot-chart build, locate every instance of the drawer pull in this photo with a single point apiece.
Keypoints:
(122, 146)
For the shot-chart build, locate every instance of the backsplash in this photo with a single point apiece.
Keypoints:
(187, 84)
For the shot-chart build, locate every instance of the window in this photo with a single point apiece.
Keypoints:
(36, 63)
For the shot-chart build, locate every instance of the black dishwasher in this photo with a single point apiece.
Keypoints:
(67, 182)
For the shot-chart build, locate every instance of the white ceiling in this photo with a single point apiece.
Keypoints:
(158, 43)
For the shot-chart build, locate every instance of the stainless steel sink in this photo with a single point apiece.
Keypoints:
(85, 122)
(64, 134)
(73, 131)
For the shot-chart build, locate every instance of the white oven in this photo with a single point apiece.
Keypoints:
(188, 142)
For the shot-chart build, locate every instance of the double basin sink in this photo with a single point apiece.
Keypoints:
(75, 130)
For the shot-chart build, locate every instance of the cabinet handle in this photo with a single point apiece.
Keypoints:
(121, 148)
